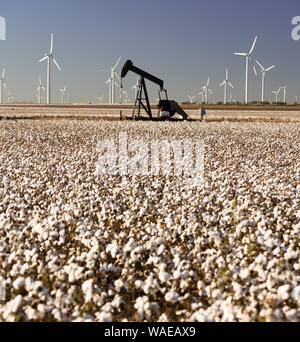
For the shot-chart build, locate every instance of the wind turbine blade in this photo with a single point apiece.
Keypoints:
(51, 44)
(272, 67)
(3, 73)
(117, 76)
(56, 64)
(254, 70)
(210, 91)
(230, 85)
(207, 84)
(117, 63)
(240, 54)
(222, 84)
(108, 81)
(262, 68)
(40, 79)
(43, 59)
(226, 74)
(253, 46)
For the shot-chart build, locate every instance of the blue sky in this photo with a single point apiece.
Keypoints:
(182, 42)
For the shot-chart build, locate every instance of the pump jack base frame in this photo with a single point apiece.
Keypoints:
(143, 118)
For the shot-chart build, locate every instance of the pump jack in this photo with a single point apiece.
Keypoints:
(142, 93)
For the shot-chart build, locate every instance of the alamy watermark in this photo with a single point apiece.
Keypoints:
(2, 28)
(296, 29)
(138, 157)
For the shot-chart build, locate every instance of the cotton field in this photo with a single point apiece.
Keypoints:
(81, 245)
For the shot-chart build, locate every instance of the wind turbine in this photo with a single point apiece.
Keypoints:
(284, 94)
(112, 83)
(192, 98)
(49, 57)
(123, 92)
(9, 96)
(39, 90)
(225, 84)
(202, 96)
(100, 98)
(207, 90)
(277, 94)
(2, 84)
(248, 56)
(263, 72)
(63, 91)
(136, 87)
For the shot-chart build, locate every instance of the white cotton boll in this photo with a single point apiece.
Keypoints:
(177, 274)
(87, 288)
(29, 284)
(164, 276)
(78, 212)
(32, 314)
(15, 304)
(172, 296)
(283, 292)
(119, 284)
(261, 259)
(113, 249)
(244, 273)
(139, 284)
(19, 283)
(296, 294)
(289, 255)
(161, 249)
